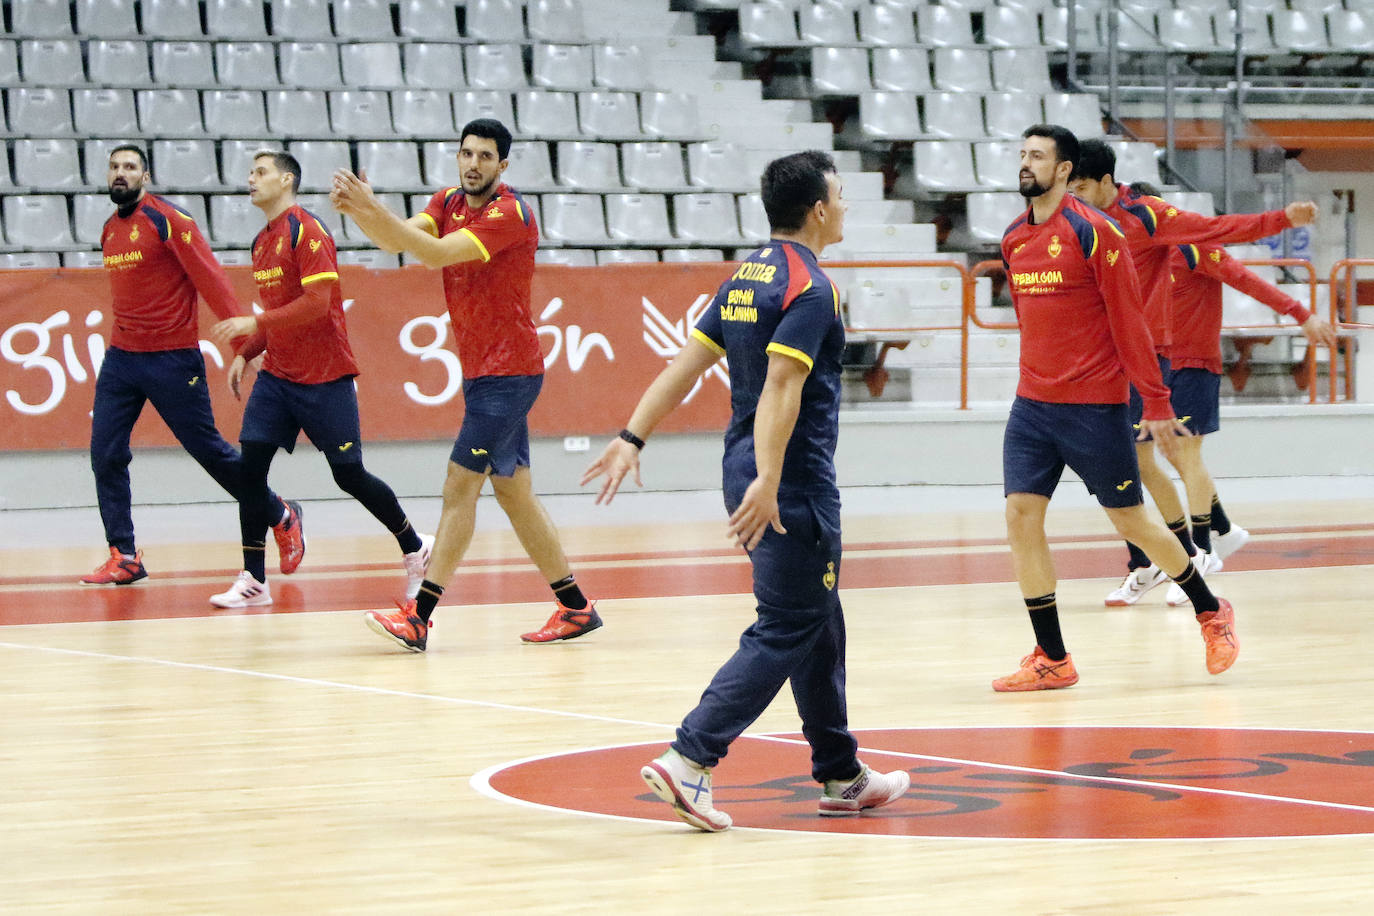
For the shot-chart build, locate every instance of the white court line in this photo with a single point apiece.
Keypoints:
(614, 720)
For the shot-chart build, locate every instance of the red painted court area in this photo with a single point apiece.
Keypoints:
(1018, 783)
(175, 594)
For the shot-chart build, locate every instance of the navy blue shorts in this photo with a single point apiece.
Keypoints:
(1093, 439)
(495, 437)
(1137, 405)
(1196, 397)
(278, 411)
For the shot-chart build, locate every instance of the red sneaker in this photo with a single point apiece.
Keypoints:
(119, 569)
(566, 624)
(290, 535)
(1219, 634)
(404, 627)
(1039, 672)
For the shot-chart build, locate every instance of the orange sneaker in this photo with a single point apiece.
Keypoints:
(1219, 635)
(290, 536)
(566, 624)
(119, 569)
(404, 627)
(1039, 672)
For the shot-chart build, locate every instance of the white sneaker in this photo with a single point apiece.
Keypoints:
(416, 565)
(1206, 563)
(846, 798)
(687, 787)
(1226, 544)
(1137, 582)
(244, 592)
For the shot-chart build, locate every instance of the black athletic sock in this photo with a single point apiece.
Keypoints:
(257, 511)
(1180, 530)
(407, 538)
(568, 594)
(1137, 560)
(255, 559)
(1202, 531)
(1044, 616)
(425, 602)
(379, 499)
(1220, 523)
(1190, 580)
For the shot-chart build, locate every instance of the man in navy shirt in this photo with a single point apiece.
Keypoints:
(777, 321)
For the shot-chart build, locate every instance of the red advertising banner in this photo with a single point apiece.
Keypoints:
(606, 332)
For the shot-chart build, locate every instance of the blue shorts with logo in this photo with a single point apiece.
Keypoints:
(278, 411)
(1196, 397)
(1092, 439)
(495, 436)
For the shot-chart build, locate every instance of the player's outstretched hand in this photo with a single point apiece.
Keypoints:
(1166, 434)
(349, 192)
(617, 459)
(1319, 331)
(757, 511)
(1301, 213)
(239, 326)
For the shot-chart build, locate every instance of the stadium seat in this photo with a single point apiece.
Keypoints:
(95, 152)
(1079, 112)
(172, 18)
(319, 159)
(1007, 114)
(37, 220)
(429, 65)
(359, 112)
(170, 112)
(953, 114)
(608, 114)
(39, 111)
(236, 159)
(706, 217)
(641, 219)
(482, 103)
(889, 116)
(51, 61)
(49, 18)
(491, 66)
(30, 260)
(431, 19)
(104, 112)
(309, 64)
(298, 112)
(1257, 39)
(669, 114)
(560, 66)
(826, 23)
(719, 165)
(753, 219)
(1300, 30)
(9, 63)
(997, 163)
(1187, 30)
(116, 62)
(246, 64)
(5, 180)
(839, 71)
(625, 256)
(884, 25)
(1054, 29)
(901, 69)
(944, 166)
(767, 23)
(422, 112)
(587, 166)
(619, 66)
(691, 255)
(1136, 162)
(235, 112)
(183, 63)
(1351, 30)
(494, 20)
(961, 69)
(194, 204)
(390, 165)
(235, 19)
(1021, 70)
(989, 213)
(577, 219)
(364, 20)
(371, 258)
(944, 27)
(440, 158)
(83, 259)
(187, 163)
(555, 20)
(653, 165)
(46, 163)
(1010, 27)
(550, 115)
(372, 64)
(301, 19)
(566, 257)
(234, 221)
(530, 167)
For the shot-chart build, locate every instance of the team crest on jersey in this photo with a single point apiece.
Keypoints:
(314, 244)
(1171, 212)
(829, 579)
(186, 237)
(494, 213)
(133, 234)
(1055, 248)
(1111, 258)
(1215, 256)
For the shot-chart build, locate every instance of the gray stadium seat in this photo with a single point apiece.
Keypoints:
(83, 259)
(1187, 30)
(944, 166)
(422, 112)
(319, 205)
(1021, 70)
(440, 159)
(719, 165)
(5, 180)
(301, 19)
(309, 64)
(365, 112)
(430, 65)
(826, 24)
(953, 114)
(608, 114)
(1299, 30)
(390, 165)
(246, 64)
(653, 165)
(372, 64)
(366, 20)
(943, 27)
(530, 167)
(1351, 30)
(235, 19)
(491, 66)
(46, 163)
(234, 221)
(37, 220)
(189, 163)
(625, 256)
(753, 219)
(541, 113)
(193, 204)
(369, 257)
(432, 19)
(669, 114)
(889, 116)
(104, 112)
(30, 260)
(641, 219)
(1010, 27)
(707, 218)
(961, 69)
(297, 112)
(106, 18)
(619, 66)
(767, 23)
(1007, 114)
(39, 111)
(555, 20)
(494, 20)
(691, 255)
(172, 18)
(51, 61)
(1054, 29)
(588, 166)
(9, 62)
(901, 69)
(881, 24)
(235, 112)
(1079, 112)
(577, 219)
(236, 159)
(989, 213)
(183, 63)
(42, 17)
(560, 66)
(319, 159)
(96, 154)
(997, 164)
(839, 71)
(566, 257)
(170, 112)
(117, 62)
(482, 103)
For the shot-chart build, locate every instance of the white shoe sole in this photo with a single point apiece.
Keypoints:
(657, 779)
(233, 601)
(844, 807)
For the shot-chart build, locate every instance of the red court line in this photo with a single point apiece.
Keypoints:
(517, 582)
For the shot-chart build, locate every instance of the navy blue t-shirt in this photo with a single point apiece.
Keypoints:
(779, 301)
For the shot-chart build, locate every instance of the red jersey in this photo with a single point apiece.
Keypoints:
(1153, 227)
(489, 300)
(302, 323)
(158, 261)
(1083, 330)
(1199, 271)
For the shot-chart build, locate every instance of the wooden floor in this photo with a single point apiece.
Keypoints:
(156, 757)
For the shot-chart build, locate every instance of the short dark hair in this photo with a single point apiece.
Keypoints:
(488, 129)
(1096, 160)
(1144, 187)
(285, 162)
(132, 148)
(792, 185)
(1066, 147)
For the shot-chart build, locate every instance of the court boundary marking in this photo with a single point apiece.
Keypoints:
(615, 720)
